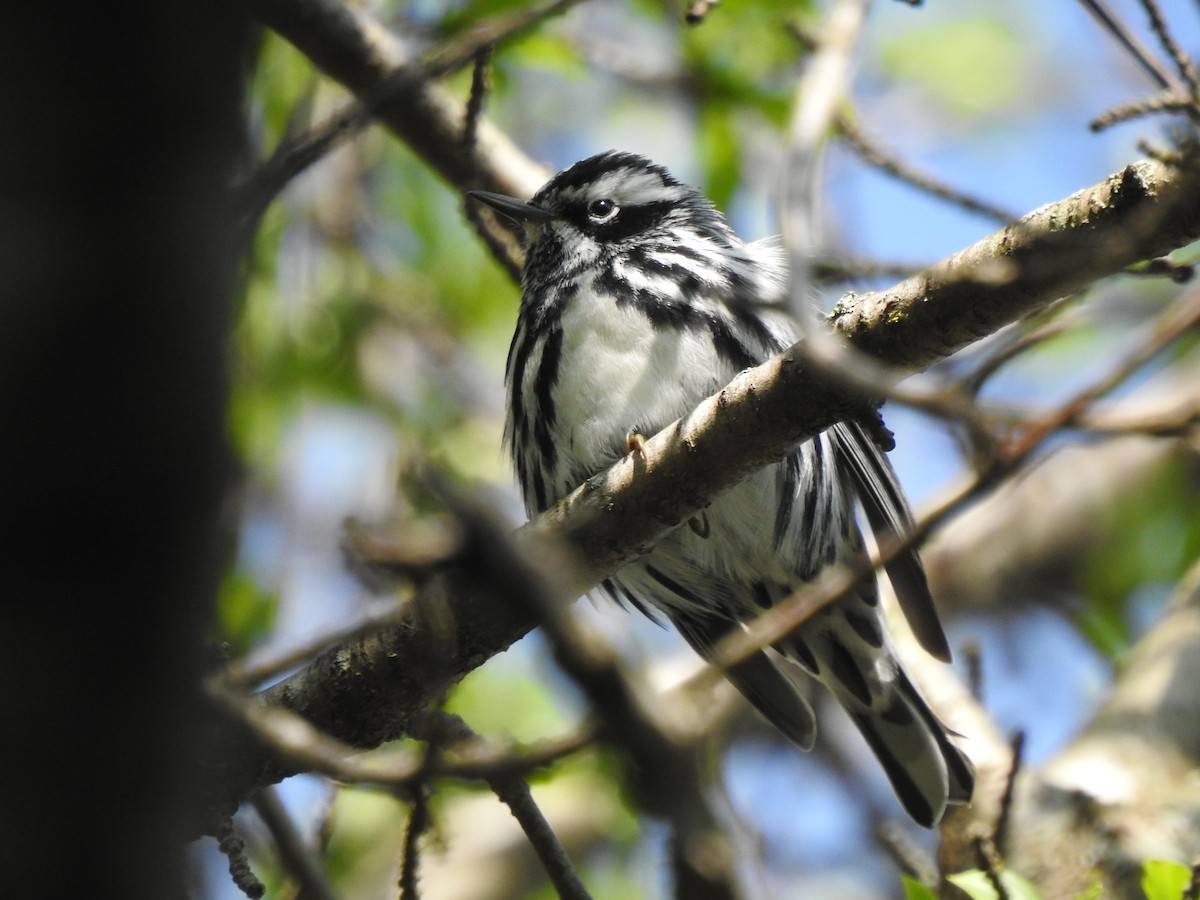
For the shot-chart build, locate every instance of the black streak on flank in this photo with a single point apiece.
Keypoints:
(788, 478)
(539, 490)
(543, 385)
(518, 356)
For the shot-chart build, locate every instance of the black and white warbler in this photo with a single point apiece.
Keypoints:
(638, 301)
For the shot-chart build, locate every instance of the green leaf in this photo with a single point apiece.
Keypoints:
(914, 890)
(976, 884)
(1164, 880)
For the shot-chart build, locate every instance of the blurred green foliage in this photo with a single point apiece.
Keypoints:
(980, 63)
(245, 611)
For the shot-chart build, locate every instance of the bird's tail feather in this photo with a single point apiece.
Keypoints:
(768, 689)
(776, 696)
(926, 770)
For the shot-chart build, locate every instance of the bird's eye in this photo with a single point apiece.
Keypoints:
(602, 210)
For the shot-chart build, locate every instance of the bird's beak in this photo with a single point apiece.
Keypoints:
(519, 211)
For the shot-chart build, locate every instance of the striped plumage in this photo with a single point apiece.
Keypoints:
(638, 302)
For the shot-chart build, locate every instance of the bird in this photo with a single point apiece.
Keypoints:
(638, 301)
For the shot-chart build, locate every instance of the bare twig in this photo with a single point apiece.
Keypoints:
(774, 624)
(234, 849)
(831, 271)
(908, 854)
(357, 51)
(1000, 833)
(1178, 272)
(661, 769)
(987, 857)
(247, 673)
(871, 152)
(298, 859)
(410, 859)
(514, 792)
(308, 749)
(479, 89)
(972, 656)
(974, 381)
(1183, 63)
(1180, 317)
(1169, 102)
(1101, 11)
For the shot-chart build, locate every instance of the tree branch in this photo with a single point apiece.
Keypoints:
(360, 53)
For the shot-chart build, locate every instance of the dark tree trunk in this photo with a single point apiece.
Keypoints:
(121, 126)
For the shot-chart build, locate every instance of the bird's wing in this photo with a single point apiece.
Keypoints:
(890, 519)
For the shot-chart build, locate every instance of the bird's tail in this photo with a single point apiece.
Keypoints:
(857, 663)
(926, 770)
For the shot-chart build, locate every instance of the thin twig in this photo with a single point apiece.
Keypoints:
(1000, 832)
(1162, 76)
(1183, 62)
(513, 791)
(988, 859)
(661, 767)
(832, 271)
(515, 794)
(311, 750)
(231, 845)
(1160, 266)
(418, 824)
(872, 153)
(479, 90)
(971, 653)
(912, 857)
(258, 668)
(1180, 317)
(1168, 102)
(297, 858)
(297, 154)
(974, 381)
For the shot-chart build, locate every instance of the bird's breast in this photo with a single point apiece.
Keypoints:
(620, 372)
